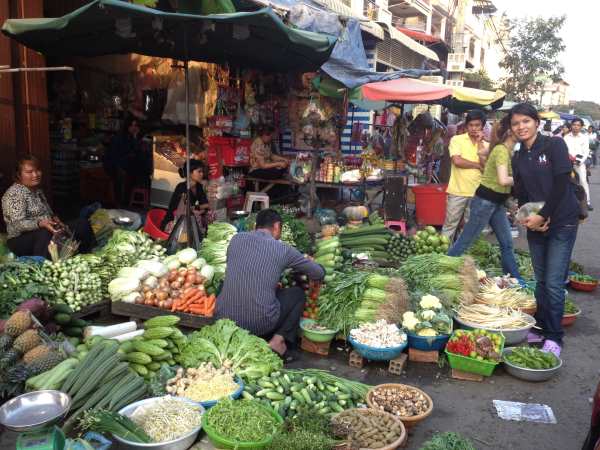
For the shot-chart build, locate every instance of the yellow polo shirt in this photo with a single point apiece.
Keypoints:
(463, 182)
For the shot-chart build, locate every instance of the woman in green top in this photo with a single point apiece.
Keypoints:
(487, 206)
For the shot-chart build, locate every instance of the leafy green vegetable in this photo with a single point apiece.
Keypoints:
(156, 385)
(304, 431)
(19, 282)
(242, 420)
(103, 421)
(294, 231)
(448, 441)
(226, 345)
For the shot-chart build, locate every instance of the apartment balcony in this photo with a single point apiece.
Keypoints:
(373, 10)
(410, 8)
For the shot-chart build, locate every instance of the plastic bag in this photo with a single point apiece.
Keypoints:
(529, 209)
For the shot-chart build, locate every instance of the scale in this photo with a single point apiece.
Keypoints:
(33, 415)
(52, 439)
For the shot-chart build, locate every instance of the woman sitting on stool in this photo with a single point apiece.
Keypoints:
(30, 222)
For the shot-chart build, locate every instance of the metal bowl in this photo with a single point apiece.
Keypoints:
(529, 374)
(511, 337)
(181, 443)
(35, 410)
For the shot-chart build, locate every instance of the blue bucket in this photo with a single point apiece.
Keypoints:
(376, 354)
(427, 343)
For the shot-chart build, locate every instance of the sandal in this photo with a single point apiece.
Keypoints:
(552, 347)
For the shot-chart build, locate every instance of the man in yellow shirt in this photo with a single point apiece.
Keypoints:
(467, 153)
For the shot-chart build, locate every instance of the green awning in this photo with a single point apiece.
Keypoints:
(257, 39)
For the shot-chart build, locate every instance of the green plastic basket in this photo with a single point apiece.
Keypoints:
(474, 365)
(222, 442)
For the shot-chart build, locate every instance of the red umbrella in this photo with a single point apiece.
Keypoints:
(406, 90)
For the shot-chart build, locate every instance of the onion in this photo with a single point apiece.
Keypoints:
(190, 278)
(172, 275)
(199, 279)
(175, 293)
(146, 289)
(188, 289)
(168, 303)
(188, 284)
(162, 295)
(182, 271)
(163, 284)
(149, 295)
(140, 300)
(192, 270)
(149, 302)
(161, 304)
(180, 279)
(176, 285)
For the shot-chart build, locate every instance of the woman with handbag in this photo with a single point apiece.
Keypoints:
(542, 173)
(198, 199)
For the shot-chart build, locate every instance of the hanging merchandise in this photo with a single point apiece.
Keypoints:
(357, 133)
(241, 123)
(400, 138)
(175, 107)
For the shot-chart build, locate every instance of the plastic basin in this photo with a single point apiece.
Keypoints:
(209, 404)
(377, 354)
(582, 286)
(221, 442)
(315, 335)
(427, 343)
(529, 374)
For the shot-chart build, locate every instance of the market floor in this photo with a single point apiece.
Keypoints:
(466, 407)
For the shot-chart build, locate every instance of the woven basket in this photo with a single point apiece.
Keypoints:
(394, 445)
(408, 421)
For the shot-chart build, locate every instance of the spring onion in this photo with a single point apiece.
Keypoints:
(103, 421)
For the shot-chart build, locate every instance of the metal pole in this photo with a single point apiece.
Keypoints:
(187, 128)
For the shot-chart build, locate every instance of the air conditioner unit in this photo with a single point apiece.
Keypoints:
(456, 62)
(433, 79)
(455, 83)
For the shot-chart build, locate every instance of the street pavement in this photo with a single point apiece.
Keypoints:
(466, 407)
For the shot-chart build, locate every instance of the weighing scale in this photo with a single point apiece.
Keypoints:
(52, 439)
(33, 415)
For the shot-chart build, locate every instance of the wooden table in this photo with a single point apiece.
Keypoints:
(134, 311)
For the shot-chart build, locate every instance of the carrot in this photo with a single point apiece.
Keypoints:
(210, 303)
(191, 300)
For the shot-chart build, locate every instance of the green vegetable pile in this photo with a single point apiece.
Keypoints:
(488, 258)
(304, 431)
(448, 441)
(18, 282)
(369, 239)
(429, 240)
(294, 231)
(451, 278)
(401, 247)
(214, 248)
(581, 278)
(571, 307)
(103, 421)
(360, 296)
(241, 420)
(290, 391)
(531, 358)
(226, 345)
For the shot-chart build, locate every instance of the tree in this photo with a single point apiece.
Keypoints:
(479, 80)
(532, 56)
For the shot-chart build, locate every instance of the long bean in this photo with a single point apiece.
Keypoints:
(491, 317)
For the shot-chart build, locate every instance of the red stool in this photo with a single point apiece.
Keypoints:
(140, 197)
(396, 225)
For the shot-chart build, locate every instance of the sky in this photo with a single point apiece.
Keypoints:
(581, 34)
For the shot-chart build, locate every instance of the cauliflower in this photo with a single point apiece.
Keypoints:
(430, 302)
(429, 332)
(427, 314)
(409, 321)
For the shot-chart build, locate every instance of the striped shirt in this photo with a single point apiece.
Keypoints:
(255, 262)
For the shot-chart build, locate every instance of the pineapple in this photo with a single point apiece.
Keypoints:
(9, 358)
(5, 342)
(36, 353)
(21, 372)
(18, 323)
(27, 341)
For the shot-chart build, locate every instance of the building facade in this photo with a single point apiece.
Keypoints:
(553, 94)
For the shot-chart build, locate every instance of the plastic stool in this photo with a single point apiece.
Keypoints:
(135, 200)
(258, 197)
(395, 224)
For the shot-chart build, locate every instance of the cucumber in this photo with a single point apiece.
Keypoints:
(62, 308)
(78, 323)
(62, 319)
(73, 331)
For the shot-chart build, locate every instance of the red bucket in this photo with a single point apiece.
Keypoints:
(430, 203)
(152, 225)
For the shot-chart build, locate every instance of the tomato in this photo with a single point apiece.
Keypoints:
(306, 314)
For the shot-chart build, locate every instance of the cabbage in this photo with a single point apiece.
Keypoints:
(198, 263)
(119, 287)
(208, 272)
(187, 256)
(220, 231)
(151, 282)
(155, 268)
(133, 272)
(172, 262)
(132, 297)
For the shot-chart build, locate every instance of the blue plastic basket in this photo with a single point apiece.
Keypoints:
(234, 396)
(427, 343)
(376, 354)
